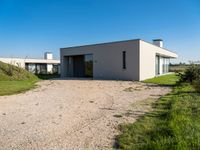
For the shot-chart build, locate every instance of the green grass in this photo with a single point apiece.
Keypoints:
(15, 80)
(168, 80)
(14, 87)
(48, 76)
(13, 73)
(173, 124)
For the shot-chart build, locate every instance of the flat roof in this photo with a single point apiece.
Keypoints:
(116, 42)
(157, 40)
(101, 43)
(31, 60)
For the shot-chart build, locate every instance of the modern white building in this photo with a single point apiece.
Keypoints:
(123, 60)
(48, 65)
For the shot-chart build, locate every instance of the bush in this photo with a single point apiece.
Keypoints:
(191, 73)
(10, 70)
(196, 84)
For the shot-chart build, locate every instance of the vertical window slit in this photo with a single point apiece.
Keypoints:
(124, 59)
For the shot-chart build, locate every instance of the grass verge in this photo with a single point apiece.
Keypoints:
(14, 87)
(166, 80)
(173, 124)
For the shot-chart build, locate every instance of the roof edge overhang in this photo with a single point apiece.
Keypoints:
(172, 55)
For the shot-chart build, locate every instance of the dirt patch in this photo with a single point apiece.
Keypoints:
(72, 114)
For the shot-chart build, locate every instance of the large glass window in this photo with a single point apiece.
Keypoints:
(36, 68)
(55, 69)
(89, 65)
(165, 67)
(43, 68)
(162, 65)
(31, 68)
(157, 65)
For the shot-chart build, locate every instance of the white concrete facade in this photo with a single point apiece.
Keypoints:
(148, 54)
(109, 63)
(48, 55)
(158, 42)
(48, 62)
(14, 61)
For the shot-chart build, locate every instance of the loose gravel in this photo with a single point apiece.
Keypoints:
(72, 114)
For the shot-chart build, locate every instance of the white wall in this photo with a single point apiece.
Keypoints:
(48, 55)
(148, 54)
(14, 61)
(21, 62)
(147, 61)
(107, 59)
(49, 68)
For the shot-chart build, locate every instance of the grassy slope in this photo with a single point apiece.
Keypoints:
(174, 123)
(14, 80)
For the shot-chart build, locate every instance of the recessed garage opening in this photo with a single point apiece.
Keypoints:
(80, 66)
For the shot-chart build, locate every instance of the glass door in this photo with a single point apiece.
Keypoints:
(89, 65)
(157, 65)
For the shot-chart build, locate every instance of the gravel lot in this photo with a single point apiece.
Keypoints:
(72, 114)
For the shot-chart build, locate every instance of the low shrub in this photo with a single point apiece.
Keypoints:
(191, 73)
(196, 84)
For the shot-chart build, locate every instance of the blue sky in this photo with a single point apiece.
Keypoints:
(31, 27)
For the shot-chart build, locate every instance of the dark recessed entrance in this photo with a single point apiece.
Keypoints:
(80, 66)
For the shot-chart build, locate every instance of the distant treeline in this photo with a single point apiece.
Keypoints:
(181, 67)
(178, 67)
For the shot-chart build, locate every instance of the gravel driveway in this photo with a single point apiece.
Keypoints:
(72, 114)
